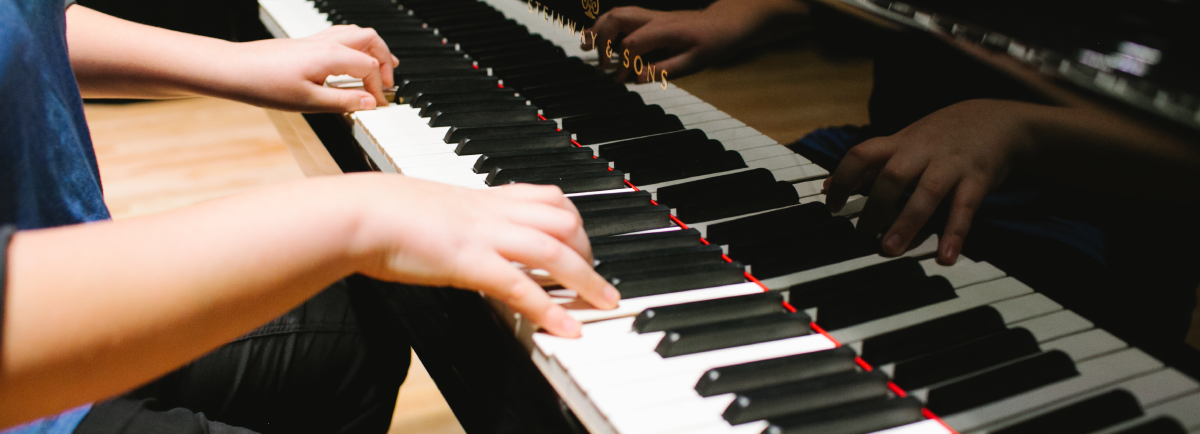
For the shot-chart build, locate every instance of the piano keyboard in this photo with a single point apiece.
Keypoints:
(681, 200)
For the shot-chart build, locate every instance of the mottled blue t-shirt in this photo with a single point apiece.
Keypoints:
(48, 173)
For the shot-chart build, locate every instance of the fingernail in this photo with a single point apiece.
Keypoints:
(570, 327)
(892, 244)
(948, 254)
(367, 103)
(612, 296)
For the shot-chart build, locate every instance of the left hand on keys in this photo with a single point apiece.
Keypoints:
(289, 74)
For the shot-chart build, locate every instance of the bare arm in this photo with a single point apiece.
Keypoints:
(95, 309)
(960, 153)
(114, 58)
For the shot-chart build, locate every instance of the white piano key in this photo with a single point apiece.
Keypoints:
(452, 179)
(606, 350)
(646, 394)
(1023, 308)
(1053, 325)
(968, 298)
(651, 97)
(1093, 373)
(719, 125)
(464, 167)
(724, 428)
(1086, 345)
(699, 118)
(678, 101)
(752, 142)
(690, 109)
(436, 159)
(631, 370)
(594, 331)
(633, 306)
(590, 193)
(408, 151)
(644, 88)
(657, 420)
(764, 152)
(733, 134)
(927, 247)
(809, 188)
(927, 426)
(1149, 390)
(794, 173)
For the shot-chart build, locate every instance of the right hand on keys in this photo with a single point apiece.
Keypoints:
(439, 235)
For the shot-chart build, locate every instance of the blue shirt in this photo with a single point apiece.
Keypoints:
(48, 173)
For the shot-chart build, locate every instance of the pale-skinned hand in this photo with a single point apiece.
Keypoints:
(957, 154)
(439, 235)
(289, 74)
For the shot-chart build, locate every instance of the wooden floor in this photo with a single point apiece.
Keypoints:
(157, 156)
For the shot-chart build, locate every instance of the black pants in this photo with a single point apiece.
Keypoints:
(332, 365)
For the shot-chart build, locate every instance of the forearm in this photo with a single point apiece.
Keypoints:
(115, 58)
(763, 20)
(94, 309)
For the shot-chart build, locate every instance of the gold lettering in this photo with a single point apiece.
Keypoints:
(607, 50)
(531, 6)
(626, 55)
(539, 7)
(664, 79)
(637, 64)
(546, 16)
(583, 39)
(650, 69)
(571, 27)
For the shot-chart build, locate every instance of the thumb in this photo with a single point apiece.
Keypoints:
(328, 99)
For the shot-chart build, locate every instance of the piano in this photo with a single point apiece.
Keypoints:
(747, 307)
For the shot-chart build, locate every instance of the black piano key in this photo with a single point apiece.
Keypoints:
(410, 88)
(756, 227)
(1162, 425)
(519, 143)
(581, 182)
(625, 220)
(657, 259)
(519, 57)
(432, 65)
(822, 235)
(482, 117)
(692, 314)
(894, 299)
(678, 141)
(432, 53)
(564, 74)
(770, 372)
(605, 103)
(608, 246)
(457, 134)
(723, 161)
(401, 77)
(429, 7)
(735, 333)
(541, 93)
(395, 21)
(414, 41)
(777, 195)
(501, 175)
(964, 359)
(528, 68)
(816, 292)
(488, 160)
(1083, 417)
(503, 103)
(1000, 383)
(665, 124)
(857, 418)
(806, 396)
(585, 123)
(427, 98)
(466, 29)
(700, 190)
(476, 17)
(806, 257)
(492, 34)
(598, 202)
(677, 279)
(931, 335)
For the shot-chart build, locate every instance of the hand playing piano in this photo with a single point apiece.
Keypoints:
(683, 42)
(289, 74)
(438, 235)
(956, 154)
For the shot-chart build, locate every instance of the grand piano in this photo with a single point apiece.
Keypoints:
(726, 325)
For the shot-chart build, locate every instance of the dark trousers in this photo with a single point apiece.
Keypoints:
(332, 365)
